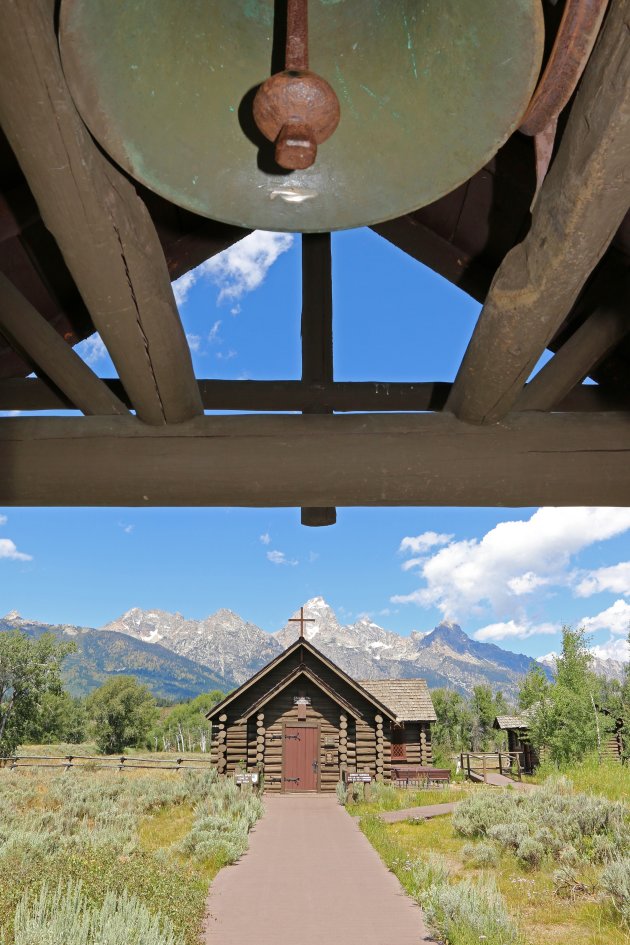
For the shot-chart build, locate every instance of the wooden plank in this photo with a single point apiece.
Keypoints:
(18, 393)
(317, 336)
(530, 459)
(102, 227)
(37, 341)
(586, 347)
(580, 206)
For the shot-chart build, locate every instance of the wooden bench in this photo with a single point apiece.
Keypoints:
(420, 775)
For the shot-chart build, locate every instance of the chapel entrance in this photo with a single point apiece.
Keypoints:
(301, 758)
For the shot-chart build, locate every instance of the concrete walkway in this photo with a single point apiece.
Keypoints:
(310, 877)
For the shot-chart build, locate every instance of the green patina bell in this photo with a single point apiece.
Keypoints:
(428, 91)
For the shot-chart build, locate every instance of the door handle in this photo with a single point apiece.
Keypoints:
(315, 766)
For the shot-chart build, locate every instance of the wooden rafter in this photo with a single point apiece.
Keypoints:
(102, 227)
(392, 459)
(586, 347)
(579, 208)
(18, 393)
(317, 336)
(38, 342)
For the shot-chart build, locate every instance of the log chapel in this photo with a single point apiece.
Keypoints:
(302, 722)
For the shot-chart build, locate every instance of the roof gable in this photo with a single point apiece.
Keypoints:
(294, 648)
(505, 722)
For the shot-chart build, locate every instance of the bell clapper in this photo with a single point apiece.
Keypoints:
(297, 109)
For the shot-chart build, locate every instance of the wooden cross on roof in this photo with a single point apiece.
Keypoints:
(301, 620)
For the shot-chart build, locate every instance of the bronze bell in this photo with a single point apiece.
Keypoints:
(428, 91)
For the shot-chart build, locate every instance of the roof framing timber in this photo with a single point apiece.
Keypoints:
(580, 206)
(588, 345)
(29, 394)
(102, 227)
(41, 345)
(266, 461)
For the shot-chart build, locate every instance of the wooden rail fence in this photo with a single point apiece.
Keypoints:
(477, 765)
(119, 762)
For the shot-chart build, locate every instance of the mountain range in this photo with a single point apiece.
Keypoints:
(178, 657)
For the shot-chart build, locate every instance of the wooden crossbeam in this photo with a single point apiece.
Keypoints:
(317, 336)
(19, 393)
(579, 208)
(317, 461)
(586, 347)
(103, 229)
(38, 342)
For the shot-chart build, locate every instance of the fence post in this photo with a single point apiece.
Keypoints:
(485, 774)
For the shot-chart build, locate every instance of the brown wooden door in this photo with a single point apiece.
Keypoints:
(301, 758)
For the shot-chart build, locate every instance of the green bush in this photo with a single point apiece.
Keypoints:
(530, 853)
(469, 912)
(342, 793)
(65, 916)
(615, 880)
(481, 854)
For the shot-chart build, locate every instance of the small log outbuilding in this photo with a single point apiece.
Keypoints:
(302, 721)
(517, 728)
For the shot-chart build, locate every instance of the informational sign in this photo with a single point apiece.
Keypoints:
(361, 777)
(250, 778)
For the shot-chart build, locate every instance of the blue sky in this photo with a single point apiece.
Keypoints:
(514, 584)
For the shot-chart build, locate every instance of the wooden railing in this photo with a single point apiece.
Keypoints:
(477, 765)
(119, 762)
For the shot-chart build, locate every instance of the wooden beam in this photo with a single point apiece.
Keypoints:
(586, 347)
(578, 210)
(102, 227)
(317, 336)
(36, 340)
(18, 393)
(530, 459)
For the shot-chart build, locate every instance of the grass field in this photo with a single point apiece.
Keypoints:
(151, 841)
(542, 871)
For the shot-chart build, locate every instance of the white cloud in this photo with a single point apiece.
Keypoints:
(615, 579)
(11, 413)
(126, 528)
(612, 650)
(511, 561)
(266, 538)
(9, 551)
(423, 542)
(194, 341)
(183, 285)
(3, 520)
(213, 334)
(615, 619)
(239, 269)
(526, 583)
(513, 629)
(226, 355)
(279, 557)
(92, 349)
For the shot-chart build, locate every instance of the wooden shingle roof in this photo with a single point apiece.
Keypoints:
(505, 722)
(410, 699)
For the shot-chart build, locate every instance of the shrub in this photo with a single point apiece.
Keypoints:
(615, 880)
(66, 916)
(342, 793)
(530, 852)
(480, 854)
(470, 912)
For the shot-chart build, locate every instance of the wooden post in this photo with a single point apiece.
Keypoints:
(317, 335)
(101, 225)
(579, 208)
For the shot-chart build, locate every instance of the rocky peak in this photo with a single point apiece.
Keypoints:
(13, 617)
